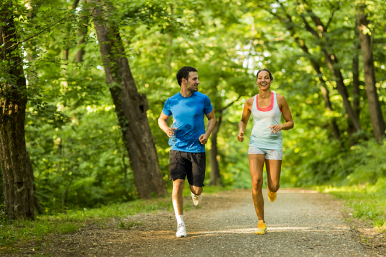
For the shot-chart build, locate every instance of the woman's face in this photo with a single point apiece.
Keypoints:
(263, 80)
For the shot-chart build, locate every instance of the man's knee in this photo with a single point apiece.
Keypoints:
(178, 185)
(196, 190)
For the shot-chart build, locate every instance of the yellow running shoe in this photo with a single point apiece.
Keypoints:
(271, 195)
(261, 228)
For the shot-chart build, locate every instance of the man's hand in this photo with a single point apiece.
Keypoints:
(240, 136)
(170, 131)
(203, 139)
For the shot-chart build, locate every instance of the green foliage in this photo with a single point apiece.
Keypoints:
(72, 135)
(362, 163)
(367, 201)
(129, 224)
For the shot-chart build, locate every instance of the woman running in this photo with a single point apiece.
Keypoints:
(266, 140)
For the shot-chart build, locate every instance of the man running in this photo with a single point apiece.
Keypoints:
(187, 138)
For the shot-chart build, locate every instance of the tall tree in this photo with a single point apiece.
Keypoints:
(330, 56)
(82, 31)
(368, 65)
(17, 179)
(66, 49)
(291, 27)
(214, 167)
(320, 34)
(130, 106)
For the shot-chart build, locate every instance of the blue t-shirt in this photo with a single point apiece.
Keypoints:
(188, 116)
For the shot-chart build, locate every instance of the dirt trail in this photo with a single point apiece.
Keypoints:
(300, 223)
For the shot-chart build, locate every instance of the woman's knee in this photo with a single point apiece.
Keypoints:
(274, 187)
(257, 184)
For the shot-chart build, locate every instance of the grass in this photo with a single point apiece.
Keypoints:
(368, 202)
(74, 220)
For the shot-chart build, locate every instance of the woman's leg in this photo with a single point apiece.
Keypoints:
(273, 174)
(256, 164)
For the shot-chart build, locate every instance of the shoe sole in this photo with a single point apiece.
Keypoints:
(259, 233)
(181, 236)
(271, 200)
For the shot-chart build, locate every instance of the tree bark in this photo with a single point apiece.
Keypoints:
(82, 32)
(37, 204)
(130, 106)
(214, 167)
(17, 180)
(368, 64)
(66, 50)
(355, 87)
(332, 63)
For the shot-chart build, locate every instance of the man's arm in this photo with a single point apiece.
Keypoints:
(162, 123)
(211, 122)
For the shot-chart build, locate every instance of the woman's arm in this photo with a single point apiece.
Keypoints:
(283, 105)
(244, 119)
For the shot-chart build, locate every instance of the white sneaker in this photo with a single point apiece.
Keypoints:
(196, 199)
(181, 230)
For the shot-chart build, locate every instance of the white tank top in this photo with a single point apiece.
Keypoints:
(263, 118)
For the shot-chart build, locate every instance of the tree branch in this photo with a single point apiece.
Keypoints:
(222, 109)
(334, 9)
(40, 32)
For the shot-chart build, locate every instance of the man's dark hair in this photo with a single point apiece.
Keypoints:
(184, 73)
(270, 74)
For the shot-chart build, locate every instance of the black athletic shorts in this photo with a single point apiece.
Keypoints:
(191, 165)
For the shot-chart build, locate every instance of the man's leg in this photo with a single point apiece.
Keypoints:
(178, 200)
(177, 167)
(196, 190)
(178, 205)
(196, 176)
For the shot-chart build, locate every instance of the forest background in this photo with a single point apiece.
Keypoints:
(327, 57)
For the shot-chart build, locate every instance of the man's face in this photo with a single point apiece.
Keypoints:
(192, 82)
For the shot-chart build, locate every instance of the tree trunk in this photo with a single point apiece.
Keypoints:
(82, 32)
(323, 88)
(355, 87)
(328, 105)
(130, 106)
(66, 50)
(215, 170)
(332, 63)
(33, 7)
(368, 64)
(17, 180)
(37, 204)
(214, 167)
(302, 45)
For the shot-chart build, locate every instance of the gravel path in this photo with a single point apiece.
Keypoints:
(300, 223)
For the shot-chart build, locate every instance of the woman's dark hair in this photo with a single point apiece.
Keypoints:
(184, 73)
(270, 74)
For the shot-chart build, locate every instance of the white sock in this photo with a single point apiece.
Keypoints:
(180, 219)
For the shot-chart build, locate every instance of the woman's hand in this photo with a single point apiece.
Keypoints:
(240, 136)
(275, 128)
